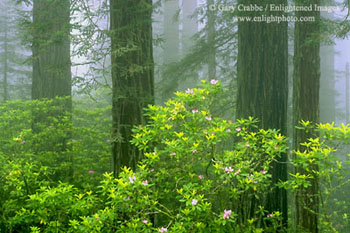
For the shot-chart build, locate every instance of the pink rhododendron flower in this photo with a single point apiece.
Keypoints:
(145, 221)
(208, 118)
(270, 215)
(132, 179)
(214, 81)
(194, 202)
(23, 142)
(172, 153)
(263, 172)
(188, 91)
(228, 169)
(227, 214)
(194, 110)
(228, 130)
(163, 229)
(247, 145)
(151, 170)
(145, 182)
(91, 171)
(194, 151)
(238, 129)
(201, 177)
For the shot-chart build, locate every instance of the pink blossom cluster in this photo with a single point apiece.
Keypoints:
(132, 179)
(227, 214)
(214, 81)
(228, 169)
(194, 202)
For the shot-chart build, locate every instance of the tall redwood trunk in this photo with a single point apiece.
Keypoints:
(306, 86)
(262, 72)
(51, 50)
(52, 75)
(132, 75)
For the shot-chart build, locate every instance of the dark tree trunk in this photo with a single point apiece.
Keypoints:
(306, 86)
(132, 75)
(52, 72)
(51, 50)
(262, 72)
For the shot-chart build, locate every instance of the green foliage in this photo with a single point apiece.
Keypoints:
(320, 159)
(217, 164)
(52, 208)
(61, 147)
(71, 145)
(199, 173)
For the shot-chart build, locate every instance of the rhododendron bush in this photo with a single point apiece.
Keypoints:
(207, 174)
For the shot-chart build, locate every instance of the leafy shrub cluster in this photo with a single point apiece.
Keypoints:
(61, 147)
(199, 173)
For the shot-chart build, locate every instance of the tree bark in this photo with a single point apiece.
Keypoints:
(262, 78)
(306, 86)
(132, 75)
(51, 50)
(52, 72)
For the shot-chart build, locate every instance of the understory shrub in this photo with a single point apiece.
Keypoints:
(199, 173)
